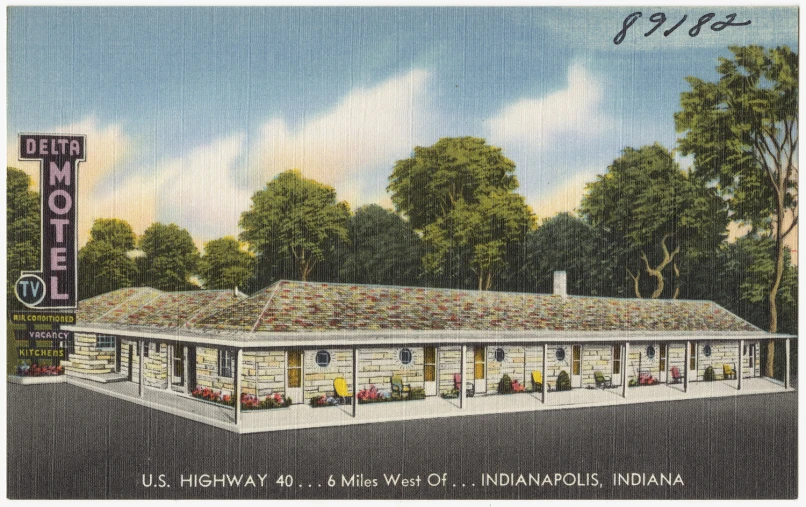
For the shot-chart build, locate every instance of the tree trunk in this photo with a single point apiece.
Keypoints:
(635, 279)
(657, 272)
(776, 285)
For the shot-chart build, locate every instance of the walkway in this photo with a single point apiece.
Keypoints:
(304, 416)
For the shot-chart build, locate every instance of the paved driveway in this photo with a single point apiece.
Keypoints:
(68, 442)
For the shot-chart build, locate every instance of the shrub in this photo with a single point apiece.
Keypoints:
(417, 393)
(563, 381)
(323, 401)
(709, 374)
(453, 393)
(505, 385)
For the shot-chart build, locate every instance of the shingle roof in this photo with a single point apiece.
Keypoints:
(310, 306)
(144, 306)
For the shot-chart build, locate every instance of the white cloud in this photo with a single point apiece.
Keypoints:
(343, 147)
(571, 114)
(195, 191)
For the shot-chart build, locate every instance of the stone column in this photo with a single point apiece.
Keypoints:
(740, 368)
(355, 382)
(462, 376)
(787, 380)
(687, 359)
(141, 373)
(624, 362)
(544, 387)
(237, 394)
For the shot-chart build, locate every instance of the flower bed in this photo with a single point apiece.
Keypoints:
(372, 395)
(248, 401)
(276, 400)
(207, 394)
(324, 401)
(39, 371)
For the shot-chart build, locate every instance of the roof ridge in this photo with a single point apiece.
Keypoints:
(200, 310)
(266, 306)
(122, 302)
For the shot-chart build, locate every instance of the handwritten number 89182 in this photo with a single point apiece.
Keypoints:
(659, 18)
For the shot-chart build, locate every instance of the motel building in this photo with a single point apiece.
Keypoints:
(299, 340)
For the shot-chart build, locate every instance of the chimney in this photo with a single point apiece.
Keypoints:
(560, 284)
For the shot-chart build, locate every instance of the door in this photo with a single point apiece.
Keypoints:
(117, 355)
(190, 364)
(480, 369)
(178, 371)
(294, 375)
(692, 363)
(430, 370)
(751, 358)
(662, 362)
(576, 366)
(615, 374)
(131, 360)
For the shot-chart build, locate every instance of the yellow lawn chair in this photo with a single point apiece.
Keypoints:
(537, 380)
(340, 386)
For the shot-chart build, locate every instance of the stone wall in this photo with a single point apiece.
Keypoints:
(512, 365)
(263, 372)
(318, 380)
(597, 357)
(88, 358)
(377, 365)
(721, 353)
(640, 358)
(207, 371)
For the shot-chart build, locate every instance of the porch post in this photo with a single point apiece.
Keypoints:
(740, 368)
(687, 357)
(544, 387)
(786, 374)
(169, 354)
(355, 381)
(463, 377)
(668, 360)
(624, 370)
(237, 393)
(141, 346)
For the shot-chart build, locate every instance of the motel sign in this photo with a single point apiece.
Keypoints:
(54, 286)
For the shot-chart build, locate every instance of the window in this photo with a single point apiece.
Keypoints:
(616, 359)
(146, 347)
(323, 358)
(405, 356)
(650, 352)
(662, 361)
(104, 342)
(226, 359)
(576, 359)
(707, 350)
(499, 355)
(560, 354)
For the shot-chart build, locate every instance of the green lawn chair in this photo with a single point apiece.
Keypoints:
(602, 382)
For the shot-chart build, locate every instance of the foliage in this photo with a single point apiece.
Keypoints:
(649, 206)
(205, 393)
(743, 133)
(563, 381)
(224, 265)
(565, 243)
(451, 394)
(460, 194)
(708, 375)
(293, 225)
(505, 385)
(170, 258)
(383, 249)
(22, 230)
(104, 264)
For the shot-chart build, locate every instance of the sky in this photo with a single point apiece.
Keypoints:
(189, 111)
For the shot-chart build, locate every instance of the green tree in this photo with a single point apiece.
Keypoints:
(224, 265)
(460, 194)
(23, 230)
(657, 211)
(104, 263)
(383, 249)
(170, 258)
(293, 225)
(567, 243)
(743, 132)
